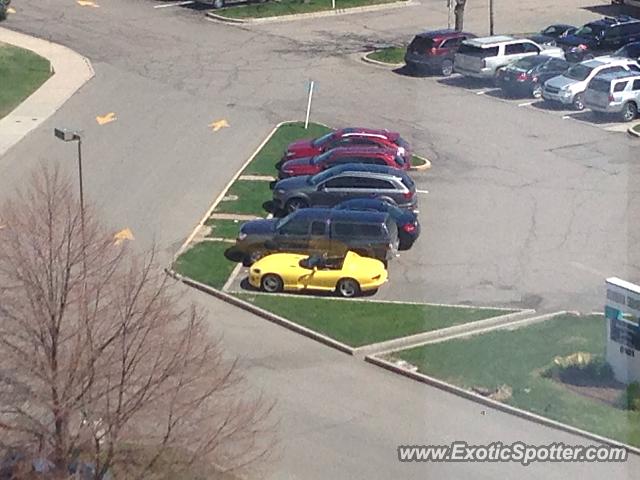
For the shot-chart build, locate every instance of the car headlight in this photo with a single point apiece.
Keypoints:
(242, 236)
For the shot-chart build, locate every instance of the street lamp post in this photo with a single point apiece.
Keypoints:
(74, 136)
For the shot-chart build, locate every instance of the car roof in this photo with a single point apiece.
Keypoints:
(607, 60)
(490, 41)
(561, 25)
(617, 75)
(366, 168)
(364, 150)
(351, 215)
(367, 132)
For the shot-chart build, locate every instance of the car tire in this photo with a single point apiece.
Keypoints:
(536, 91)
(348, 288)
(629, 112)
(294, 204)
(578, 102)
(446, 68)
(271, 283)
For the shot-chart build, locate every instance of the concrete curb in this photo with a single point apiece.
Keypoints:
(302, 16)
(425, 166)
(632, 132)
(440, 334)
(378, 63)
(474, 397)
(249, 307)
(71, 71)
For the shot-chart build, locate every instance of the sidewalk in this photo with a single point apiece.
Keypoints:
(71, 72)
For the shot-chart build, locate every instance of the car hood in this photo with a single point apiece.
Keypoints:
(301, 147)
(574, 40)
(257, 227)
(299, 165)
(292, 183)
(561, 81)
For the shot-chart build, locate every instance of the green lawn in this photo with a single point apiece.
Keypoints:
(516, 358)
(264, 162)
(21, 73)
(251, 195)
(290, 7)
(636, 128)
(390, 55)
(358, 323)
(206, 263)
(417, 161)
(223, 228)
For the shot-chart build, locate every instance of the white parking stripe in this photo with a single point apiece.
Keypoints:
(177, 4)
(422, 191)
(526, 104)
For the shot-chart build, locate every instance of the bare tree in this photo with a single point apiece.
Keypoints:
(458, 11)
(101, 363)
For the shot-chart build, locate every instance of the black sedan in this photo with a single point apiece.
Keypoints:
(407, 221)
(527, 75)
(549, 35)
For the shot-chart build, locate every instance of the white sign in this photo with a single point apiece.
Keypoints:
(622, 313)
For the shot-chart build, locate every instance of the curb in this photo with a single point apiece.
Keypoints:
(632, 132)
(72, 71)
(418, 168)
(214, 17)
(249, 307)
(474, 397)
(365, 59)
(441, 334)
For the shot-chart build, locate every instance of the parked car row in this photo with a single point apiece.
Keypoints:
(341, 225)
(557, 65)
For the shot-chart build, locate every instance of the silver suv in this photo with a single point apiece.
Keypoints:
(482, 57)
(569, 87)
(615, 93)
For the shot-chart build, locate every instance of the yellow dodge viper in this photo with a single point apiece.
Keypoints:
(348, 276)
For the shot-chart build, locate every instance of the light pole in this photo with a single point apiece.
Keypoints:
(75, 136)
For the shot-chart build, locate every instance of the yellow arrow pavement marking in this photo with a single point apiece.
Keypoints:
(87, 3)
(218, 124)
(104, 119)
(122, 235)
(11, 10)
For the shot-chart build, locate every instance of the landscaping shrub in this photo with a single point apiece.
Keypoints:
(580, 368)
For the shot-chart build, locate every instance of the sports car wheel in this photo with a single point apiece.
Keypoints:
(348, 287)
(271, 283)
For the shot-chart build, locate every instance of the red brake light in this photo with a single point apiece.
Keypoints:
(611, 99)
(522, 77)
(408, 195)
(409, 227)
(433, 50)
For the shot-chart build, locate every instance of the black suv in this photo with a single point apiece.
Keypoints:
(608, 33)
(317, 231)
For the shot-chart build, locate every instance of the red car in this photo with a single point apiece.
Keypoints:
(340, 156)
(347, 137)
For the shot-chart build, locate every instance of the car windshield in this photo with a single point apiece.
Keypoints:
(318, 142)
(321, 158)
(579, 72)
(421, 44)
(589, 30)
(320, 177)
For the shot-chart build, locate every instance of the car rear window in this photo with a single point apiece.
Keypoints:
(408, 182)
(600, 85)
(350, 229)
(474, 51)
(579, 72)
(421, 44)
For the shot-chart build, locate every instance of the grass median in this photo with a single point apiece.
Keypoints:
(205, 262)
(358, 323)
(390, 55)
(21, 73)
(292, 7)
(245, 197)
(517, 359)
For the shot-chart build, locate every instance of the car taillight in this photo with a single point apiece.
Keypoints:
(409, 227)
(408, 195)
(522, 77)
(534, 79)
(611, 98)
(433, 50)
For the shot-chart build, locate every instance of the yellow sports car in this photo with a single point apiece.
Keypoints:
(348, 276)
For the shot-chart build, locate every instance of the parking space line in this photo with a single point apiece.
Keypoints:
(422, 191)
(177, 4)
(526, 104)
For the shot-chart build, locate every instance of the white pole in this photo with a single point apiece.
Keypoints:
(306, 122)
(449, 12)
(333, 4)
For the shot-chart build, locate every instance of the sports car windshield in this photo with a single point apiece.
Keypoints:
(322, 140)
